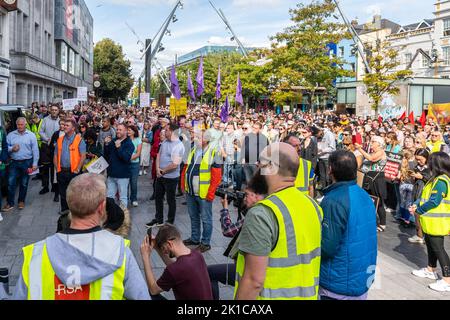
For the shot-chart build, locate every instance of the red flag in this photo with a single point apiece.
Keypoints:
(411, 117)
(423, 119)
(403, 116)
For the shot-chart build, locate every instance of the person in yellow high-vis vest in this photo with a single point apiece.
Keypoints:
(437, 143)
(279, 245)
(305, 175)
(35, 127)
(433, 207)
(200, 178)
(83, 262)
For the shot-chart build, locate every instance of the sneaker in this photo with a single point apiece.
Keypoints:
(203, 248)
(416, 239)
(189, 242)
(184, 203)
(179, 194)
(7, 208)
(135, 204)
(145, 172)
(56, 198)
(44, 191)
(140, 173)
(1, 218)
(424, 273)
(21, 205)
(441, 286)
(153, 223)
(170, 222)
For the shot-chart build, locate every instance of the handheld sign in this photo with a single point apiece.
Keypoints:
(69, 104)
(393, 164)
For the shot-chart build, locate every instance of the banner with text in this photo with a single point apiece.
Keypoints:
(82, 93)
(178, 107)
(144, 100)
(393, 165)
(69, 104)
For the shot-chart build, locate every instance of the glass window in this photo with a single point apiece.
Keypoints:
(341, 95)
(71, 61)
(63, 56)
(425, 61)
(447, 27)
(408, 58)
(351, 96)
(446, 55)
(416, 99)
(427, 96)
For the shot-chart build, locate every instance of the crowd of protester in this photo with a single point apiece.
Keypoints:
(196, 154)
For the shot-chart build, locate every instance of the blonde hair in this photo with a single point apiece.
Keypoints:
(85, 193)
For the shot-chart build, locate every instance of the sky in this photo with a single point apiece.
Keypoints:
(198, 25)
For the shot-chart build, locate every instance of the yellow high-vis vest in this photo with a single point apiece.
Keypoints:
(302, 182)
(436, 222)
(294, 264)
(205, 170)
(43, 284)
(435, 146)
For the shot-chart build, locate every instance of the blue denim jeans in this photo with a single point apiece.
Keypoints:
(18, 169)
(134, 168)
(121, 185)
(200, 212)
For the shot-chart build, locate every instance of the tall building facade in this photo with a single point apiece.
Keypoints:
(5, 8)
(51, 50)
(430, 82)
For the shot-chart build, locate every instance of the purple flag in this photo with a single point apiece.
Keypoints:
(218, 93)
(224, 112)
(239, 98)
(200, 79)
(190, 87)
(174, 87)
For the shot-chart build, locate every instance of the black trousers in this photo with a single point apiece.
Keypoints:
(47, 172)
(325, 180)
(223, 273)
(168, 187)
(436, 251)
(64, 178)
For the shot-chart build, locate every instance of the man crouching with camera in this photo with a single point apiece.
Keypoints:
(255, 191)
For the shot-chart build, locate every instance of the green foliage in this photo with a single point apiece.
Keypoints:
(114, 70)
(384, 77)
(300, 53)
(253, 78)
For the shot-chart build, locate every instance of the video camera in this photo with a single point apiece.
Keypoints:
(235, 196)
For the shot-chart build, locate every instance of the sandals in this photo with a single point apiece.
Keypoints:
(381, 228)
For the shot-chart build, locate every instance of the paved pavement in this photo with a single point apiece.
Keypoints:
(397, 257)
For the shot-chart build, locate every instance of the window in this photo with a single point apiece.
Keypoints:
(1, 33)
(353, 66)
(446, 27)
(420, 98)
(341, 52)
(446, 55)
(71, 61)
(408, 58)
(64, 56)
(425, 61)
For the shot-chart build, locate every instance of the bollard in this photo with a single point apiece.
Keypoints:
(4, 284)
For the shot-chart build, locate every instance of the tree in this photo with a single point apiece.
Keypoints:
(300, 54)
(114, 70)
(384, 78)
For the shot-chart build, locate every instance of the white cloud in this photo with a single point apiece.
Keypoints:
(257, 3)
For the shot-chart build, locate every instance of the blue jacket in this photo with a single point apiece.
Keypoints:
(119, 160)
(349, 240)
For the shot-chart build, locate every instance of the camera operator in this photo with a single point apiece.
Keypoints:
(225, 273)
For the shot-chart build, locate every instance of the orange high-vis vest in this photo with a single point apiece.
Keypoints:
(75, 155)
